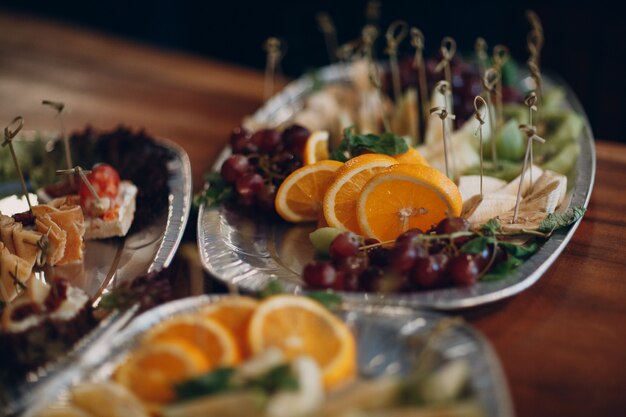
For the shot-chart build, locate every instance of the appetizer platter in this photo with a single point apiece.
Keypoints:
(378, 360)
(367, 188)
(78, 235)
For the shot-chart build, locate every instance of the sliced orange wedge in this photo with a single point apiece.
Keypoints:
(234, 313)
(406, 196)
(412, 156)
(316, 147)
(299, 197)
(151, 371)
(213, 339)
(300, 326)
(342, 194)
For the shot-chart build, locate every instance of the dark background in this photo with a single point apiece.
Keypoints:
(585, 44)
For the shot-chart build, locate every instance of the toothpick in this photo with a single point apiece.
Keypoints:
(489, 82)
(531, 134)
(481, 121)
(535, 40)
(275, 52)
(77, 170)
(327, 27)
(447, 51)
(345, 53)
(443, 114)
(396, 33)
(372, 12)
(417, 41)
(9, 133)
(480, 47)
(500, 57)
(369, 35)
(530, 101)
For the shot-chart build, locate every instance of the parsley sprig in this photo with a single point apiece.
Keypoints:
(354, 144)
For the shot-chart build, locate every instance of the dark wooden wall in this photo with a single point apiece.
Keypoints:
(585, 44)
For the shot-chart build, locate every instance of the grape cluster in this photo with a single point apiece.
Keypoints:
(261, 161)
(416, 261)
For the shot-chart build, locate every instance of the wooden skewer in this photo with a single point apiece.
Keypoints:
(530, 101)
(417, 41)
(327, 27)
(9, 133)
(489, 82)
(77, 170)
(447, 51)
(500, 57)
(442, 112)
(372, 12)
(531, 134)
(275, 52)
(396, 33)
(479, 101)
(369, 35)
(481, 55)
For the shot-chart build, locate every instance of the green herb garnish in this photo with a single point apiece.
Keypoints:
(330, 300)
(354, 144)
(220, 380)
(216, 192)
(556, 221)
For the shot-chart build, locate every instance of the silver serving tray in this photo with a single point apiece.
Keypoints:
(108, 263)
(240, 250)
(111, 262)
(387, 343)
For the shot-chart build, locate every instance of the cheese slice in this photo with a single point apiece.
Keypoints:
(99, 228)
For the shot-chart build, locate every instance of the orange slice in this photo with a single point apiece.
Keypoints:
(299, 197)
(151, 371)
(214, 340)
(316, 147)
(405, 196)
(234, 313)
(300, 326)
(412, 156)
(341, 196)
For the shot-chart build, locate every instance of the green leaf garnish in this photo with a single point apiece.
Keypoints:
(502, 269)
(556, 221)
(272, 288)
(330, 300)
(519, 251)
(354, 144)
(492, 227)
(220, 380)
(216, 381)
(215, 193)
(477, 245)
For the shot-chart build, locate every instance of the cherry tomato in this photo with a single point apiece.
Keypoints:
(105, 180)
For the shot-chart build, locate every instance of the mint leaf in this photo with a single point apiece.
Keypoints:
(492, 227)
(216, 381)
(354, 144)
(329, 300)
(519, 251)
(216, 192)
(556, 221)
(272, 288)
(502, 269)
(279, 378)
(477, 245)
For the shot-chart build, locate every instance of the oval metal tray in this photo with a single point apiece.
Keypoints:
(240, 250)
(108, 263)
(387, 340)
(114, 261)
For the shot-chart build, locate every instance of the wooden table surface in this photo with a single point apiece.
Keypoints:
(562, 342)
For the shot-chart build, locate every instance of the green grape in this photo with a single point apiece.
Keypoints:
(322, 238)
(565, 160)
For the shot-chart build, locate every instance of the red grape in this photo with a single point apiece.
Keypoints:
(249, 184)
(268, 140)
(427, 271)
(295, 137)
(322, 275)
(240, 138)
(234, 167)
(463, 269)
(402, 257)
(344, 245)
(266, 197)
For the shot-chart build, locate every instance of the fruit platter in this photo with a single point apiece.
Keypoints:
(341, 183)
(64, 247)
(392, 361)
